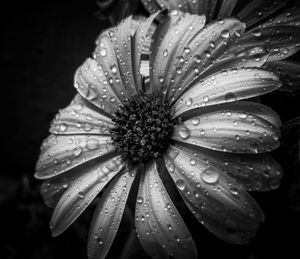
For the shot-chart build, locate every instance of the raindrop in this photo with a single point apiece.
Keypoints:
(209, 176)
(234, 190)
(189, 101)
(77, 151)
(139, 200)
(80, 195)
(180, 184)
(114, 69)
(165, 53)
(63, 127)
(103, 52)
(230, 97)
(192, 161)
(171, 167)
(92, 144)
(225, 34)
(205, 99)
(195, 121)
(184, 132)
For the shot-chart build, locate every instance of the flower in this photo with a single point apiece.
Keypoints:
(164, 96)
(271, 25)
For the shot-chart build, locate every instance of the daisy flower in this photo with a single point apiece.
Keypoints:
(164, 96)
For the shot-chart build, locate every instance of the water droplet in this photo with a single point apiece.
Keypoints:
(192, 161)
(63, 127)
(230, 97)
(171, 167)
(197, 58)
(209, 176)
(188, 101)
(80, 195)
(165, 53)
(77, 151)
(234, 190)
(114, 69)
(92, 144)
(195, 121)
(184, 132)
(180, 184)
(205, 99)
(225, 34)
(103, 52)
(139, 200)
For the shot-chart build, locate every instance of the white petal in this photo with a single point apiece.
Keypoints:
(60, 153)
(215, 199)
(92, 84)
(160, 228)
(82, 192)
(108, 214)
(227, 8)
(80, 117)
(229, 131)
(151, 6)
(227, 86)
(258, 10)
(123, 46)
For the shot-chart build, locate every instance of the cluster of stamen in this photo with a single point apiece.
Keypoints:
(143, 127)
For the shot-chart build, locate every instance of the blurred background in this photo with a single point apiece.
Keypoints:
(44, 43)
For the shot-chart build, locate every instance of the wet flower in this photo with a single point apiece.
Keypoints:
(270, 25)
(164, 96)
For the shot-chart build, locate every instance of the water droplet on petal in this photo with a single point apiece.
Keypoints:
(180, 184)
(171, 167)
(92, 144)
(165, 53)
(139, 200)
(103, 52)
(77, 151)
(209, 176)
(230, 97)
(184, 132)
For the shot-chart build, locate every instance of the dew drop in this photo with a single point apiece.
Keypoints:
(209, 176)
(195, 121)
(180, 184)
(192, 161)
(92, 144)
(114, 69)
(165, 53)
(225, 34)
(184, 132)
(103, 52)
(77, 151)
(171, 167)
(230, 97)
(139, 200)
(189, 101)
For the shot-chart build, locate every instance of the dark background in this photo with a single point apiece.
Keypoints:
(44, 43)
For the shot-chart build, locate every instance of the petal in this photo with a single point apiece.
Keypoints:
(227, 8)
(258, 10)
(160, 228)
(191, 52)
(169, 40)
(207, 8)
(107, 60)
(228, 86)
(289, 72)
(80, 117)
(81, 193)
(124, 46)
(108, 214)
(142, 42)
(229, 130)
(289, 17)
(93, 85)
(253, 172)
(243, 107)
(63, 152)
(215, 198)
(280, 41)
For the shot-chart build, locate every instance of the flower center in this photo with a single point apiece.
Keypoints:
(143, 127)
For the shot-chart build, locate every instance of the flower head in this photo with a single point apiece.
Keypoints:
(165, 96)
